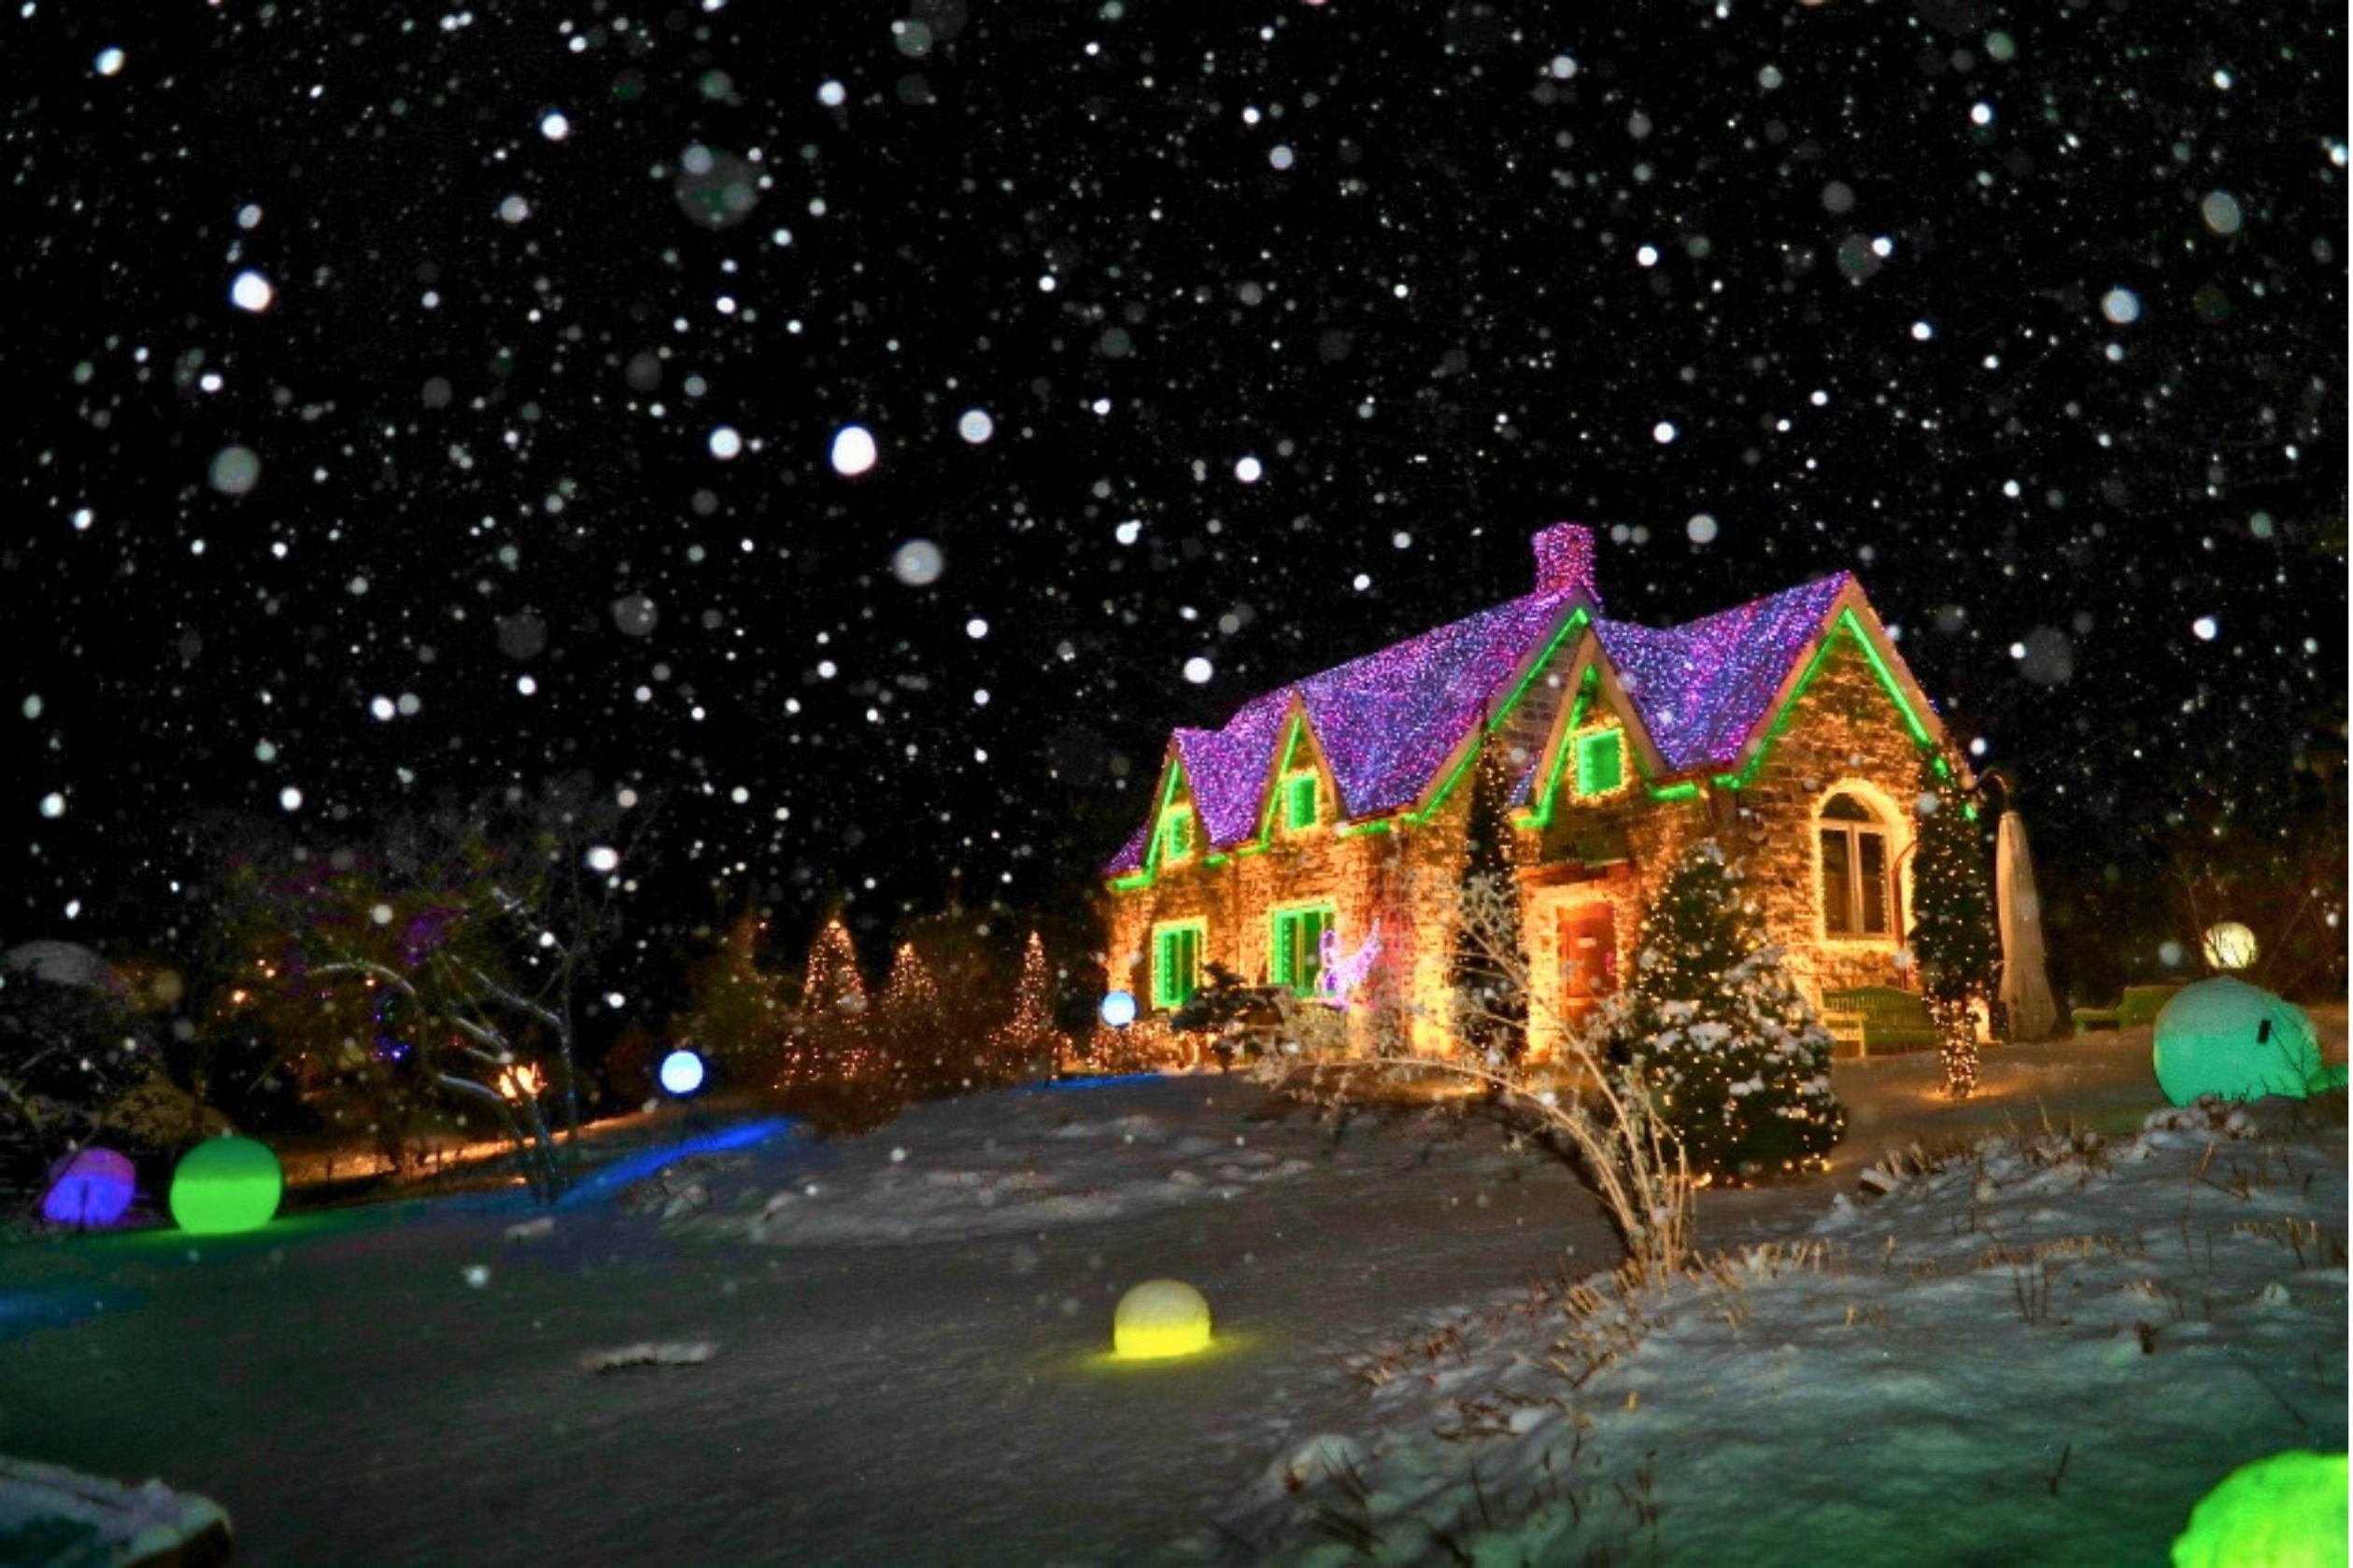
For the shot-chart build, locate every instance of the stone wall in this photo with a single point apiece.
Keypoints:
(1846, 733)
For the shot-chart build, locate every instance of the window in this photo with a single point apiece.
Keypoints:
(1295, 955)
(1858, 886)
(1176, 963)
(1299, 802)
(1176, 833)
(1601, 761)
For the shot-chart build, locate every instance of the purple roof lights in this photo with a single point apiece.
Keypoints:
(1389, 722)
(1700, 688)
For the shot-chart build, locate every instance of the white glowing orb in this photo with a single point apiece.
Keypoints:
(975, 426)
(854, 450)
(1119, 1010)
(1199, 670)
(2229, 945)
(554, 126)
(682, 1072)
(1158, 1319)
(251, 291)
(917, 563)
(726, 443)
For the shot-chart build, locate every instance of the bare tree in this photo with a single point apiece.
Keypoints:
(449, 954)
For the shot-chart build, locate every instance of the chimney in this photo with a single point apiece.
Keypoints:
(1564, 561)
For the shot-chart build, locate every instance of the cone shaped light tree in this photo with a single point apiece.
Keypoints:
(1955, 941)
(1027, 1044)
(831, 1045)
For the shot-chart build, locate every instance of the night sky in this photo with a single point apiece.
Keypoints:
(1286, 325)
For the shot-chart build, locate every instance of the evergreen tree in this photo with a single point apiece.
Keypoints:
(1490, 1008)
(1954, 938)
(736, 1012)
(1712, 1025)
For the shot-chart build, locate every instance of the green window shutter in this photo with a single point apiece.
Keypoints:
(1313, 924)
(1176, 964)
(1176, 833)
(1298, 801)
(1296, 949)
(1601, 762)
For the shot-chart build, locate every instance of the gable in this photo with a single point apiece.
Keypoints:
(1853, 627)
(1390, 726)
(1393, 732)
(1301, 758)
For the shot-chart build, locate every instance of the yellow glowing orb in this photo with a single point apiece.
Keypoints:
(2229, 945)
(1160, 1318)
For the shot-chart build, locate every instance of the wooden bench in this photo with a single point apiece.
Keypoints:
(1876, 1018)
(2139, 1006)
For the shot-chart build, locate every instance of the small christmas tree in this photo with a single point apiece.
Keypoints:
(910, 1027)
(1490, 1008)
(833, 1045)
(1955, 941)
(1712, 1025)
(1027, 1044)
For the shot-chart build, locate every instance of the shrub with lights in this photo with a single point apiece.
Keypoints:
(1954, 938)
(1738, 1060)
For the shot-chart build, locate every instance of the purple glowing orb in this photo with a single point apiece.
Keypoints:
(94, 1188)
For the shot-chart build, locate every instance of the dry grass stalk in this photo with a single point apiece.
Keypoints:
(1607, 1118)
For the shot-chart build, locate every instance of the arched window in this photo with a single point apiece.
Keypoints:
(1858, 873)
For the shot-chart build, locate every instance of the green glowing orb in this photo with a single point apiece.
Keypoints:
(1160, 1318)
(226, 1184)
(2227, 1038)
(2286, 1511)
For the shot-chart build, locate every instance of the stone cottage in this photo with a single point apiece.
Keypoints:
(1316, 841)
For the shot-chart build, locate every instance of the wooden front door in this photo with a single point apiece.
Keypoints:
(1589, 958)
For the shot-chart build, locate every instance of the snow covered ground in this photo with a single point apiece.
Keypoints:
(2036, 1352)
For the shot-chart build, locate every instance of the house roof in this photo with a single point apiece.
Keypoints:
(1389, 722)
(1702, 688)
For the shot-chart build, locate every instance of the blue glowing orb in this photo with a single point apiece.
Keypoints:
(682, 1072)
(94, 1188)
(1119, 1010)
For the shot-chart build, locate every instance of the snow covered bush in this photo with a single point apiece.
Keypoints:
(1711, 1022)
